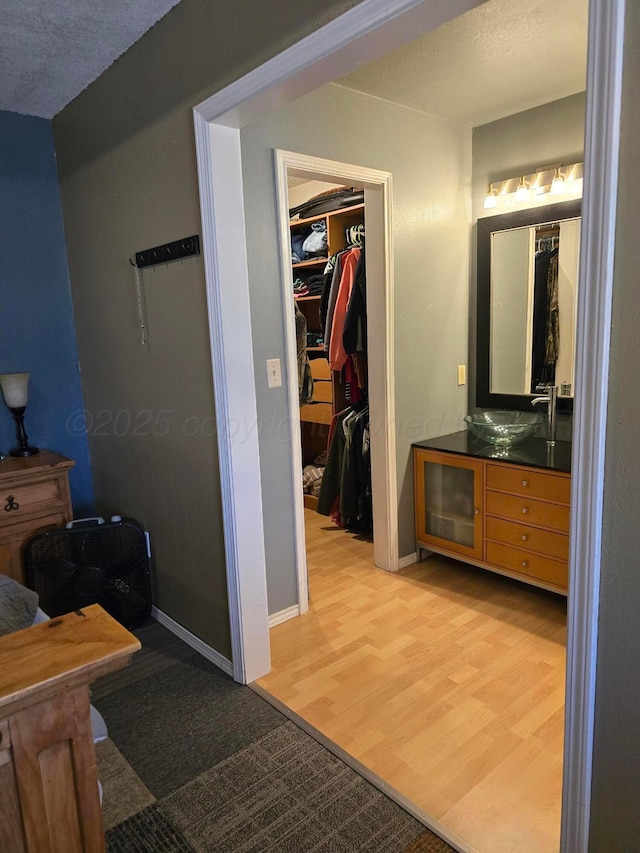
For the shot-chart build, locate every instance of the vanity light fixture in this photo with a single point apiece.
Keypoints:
(522, 193)
(492, 197)
(557, 184)
(555, 179)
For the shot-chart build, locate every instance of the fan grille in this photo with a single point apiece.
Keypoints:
(105, 565)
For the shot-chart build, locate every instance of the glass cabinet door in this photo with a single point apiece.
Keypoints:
(449, 502)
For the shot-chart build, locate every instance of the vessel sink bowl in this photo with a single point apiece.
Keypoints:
(504, 428)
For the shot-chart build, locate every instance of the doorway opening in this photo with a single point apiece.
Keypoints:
(416, 678)
(312, 409)
(218, 144)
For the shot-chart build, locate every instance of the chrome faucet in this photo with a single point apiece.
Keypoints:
(550, 398)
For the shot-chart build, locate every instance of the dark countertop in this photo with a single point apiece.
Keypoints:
(532, 451)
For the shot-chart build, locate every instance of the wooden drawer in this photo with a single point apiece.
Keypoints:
(536, 513)
(28, 498)
(535, 484)
(34, 494)
(318, 413)
(530, 538)
(531, 565)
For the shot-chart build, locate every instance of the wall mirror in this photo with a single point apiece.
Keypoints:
(527, 278)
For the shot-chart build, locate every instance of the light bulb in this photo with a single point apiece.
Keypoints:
(557, 184)
(522, 193)
(492, 198)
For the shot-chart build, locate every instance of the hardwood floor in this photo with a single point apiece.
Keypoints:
(445, 680)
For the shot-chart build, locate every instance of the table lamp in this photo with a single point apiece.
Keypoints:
(15, 391)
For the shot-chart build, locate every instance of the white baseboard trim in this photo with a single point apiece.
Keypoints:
(284, 615)
(431, 823)
(191, 640)
(408, 560)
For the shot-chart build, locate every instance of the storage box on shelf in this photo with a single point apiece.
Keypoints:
(505, 517)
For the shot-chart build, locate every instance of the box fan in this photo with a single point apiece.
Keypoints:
(91, 561)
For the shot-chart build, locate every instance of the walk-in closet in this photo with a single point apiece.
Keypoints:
(328, 272)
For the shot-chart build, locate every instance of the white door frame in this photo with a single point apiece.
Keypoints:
(593, 333)
(377, 187)
(369, 30)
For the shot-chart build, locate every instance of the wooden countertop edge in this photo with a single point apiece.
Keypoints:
(65, 652)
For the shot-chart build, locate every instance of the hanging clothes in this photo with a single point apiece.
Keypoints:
(332, 283)
(345, 493)
(553, 316)
(337, 354)
(542, 373)
(332, 274)
(305, 379)
(354, 336)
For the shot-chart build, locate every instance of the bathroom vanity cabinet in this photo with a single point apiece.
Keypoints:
(508, 514)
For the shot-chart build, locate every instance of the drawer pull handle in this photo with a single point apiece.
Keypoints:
(524, 537)
(525, 482)
(524, 564)
(11, 504)
(525, 510)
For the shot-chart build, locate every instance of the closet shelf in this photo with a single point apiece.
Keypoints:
(314, 262)
(308, 299)
(294, 223)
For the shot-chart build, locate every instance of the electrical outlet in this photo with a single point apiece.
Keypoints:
(274, 374)
(462, 374)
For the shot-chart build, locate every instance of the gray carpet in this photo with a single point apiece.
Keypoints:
(198, 763)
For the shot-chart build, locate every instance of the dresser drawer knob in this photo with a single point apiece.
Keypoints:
(524, 537)
(476, 512)
(524, 564)
(525, 510)
(11, 504)
(525, 482)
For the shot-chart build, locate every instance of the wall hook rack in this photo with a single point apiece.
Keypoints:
(187, 247)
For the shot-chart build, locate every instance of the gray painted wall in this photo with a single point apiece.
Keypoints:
(615, 823)
(126, 158)
(197, 49)
(430, 162)
(518, 145)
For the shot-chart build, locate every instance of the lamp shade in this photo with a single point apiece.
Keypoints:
(14, 389)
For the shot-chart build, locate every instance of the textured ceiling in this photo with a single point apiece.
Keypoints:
(501, 58)
(498, 59)
(50, 50)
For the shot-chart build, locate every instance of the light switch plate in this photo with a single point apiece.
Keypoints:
(462, 374)
(274, 374)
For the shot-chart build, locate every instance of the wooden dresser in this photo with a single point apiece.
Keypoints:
(507, 517)
(48, 779)
(34, 494)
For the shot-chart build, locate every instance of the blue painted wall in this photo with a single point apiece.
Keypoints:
(37, 331)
